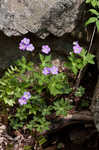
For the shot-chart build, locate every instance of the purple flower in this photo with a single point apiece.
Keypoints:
(30, 47)
(27, 95)
(45, 49)
(25, 45)
(22, 100)
(54, 70)
(77, 49)
(25, 41)
(46, 70)
(22, 46)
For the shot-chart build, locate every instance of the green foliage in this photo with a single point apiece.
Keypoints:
(45, 89)
(94, 3)
(14, 82)
(24, 77)
(80, 91)
(45, 61)
(57, 86)
(40, 124)
(41, 139)
(95, 13)
(62, 107)
(77, 62)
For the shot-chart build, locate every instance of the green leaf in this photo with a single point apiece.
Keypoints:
(42, 140)
(98, 3)
(47, 58)
(91, 20)
(80, 91)
(41, 58)
(90, 58)
(93, 11)
(10, 102)
(62, 107)
(87, 1)
(74, 69)
(94, 3)
(97, 24)
(2, 83)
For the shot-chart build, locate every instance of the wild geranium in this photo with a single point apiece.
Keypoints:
(23, 100)
(46, 71)
(76, 48)
(27, 95)
(25, 41)
(22, 46)
(30, 47)
(45, 49)
(76, 63)
(46, 84)
(54, 70)
(26, 45)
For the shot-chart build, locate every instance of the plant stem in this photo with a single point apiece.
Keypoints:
(78, 79)
(81, 70)
(91, 41)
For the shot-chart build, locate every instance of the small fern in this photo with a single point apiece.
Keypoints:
(11, 70)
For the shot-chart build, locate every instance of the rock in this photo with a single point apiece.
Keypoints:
(40, 17)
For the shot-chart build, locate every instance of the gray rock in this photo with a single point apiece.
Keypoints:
(41, 17)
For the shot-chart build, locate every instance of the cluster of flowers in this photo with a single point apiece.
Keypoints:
(26, 45)
(23, 100)
(52, 70)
